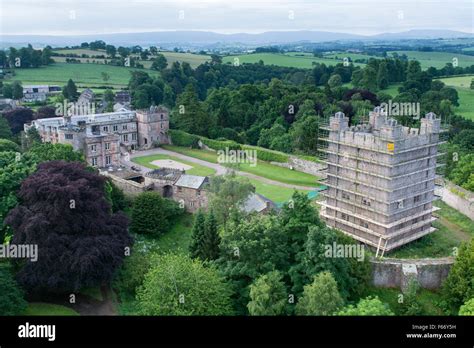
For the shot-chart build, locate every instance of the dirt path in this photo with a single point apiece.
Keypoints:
(220, 169)
(458, 231)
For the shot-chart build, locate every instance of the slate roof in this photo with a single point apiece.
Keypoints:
(257, 202)
(191, 181)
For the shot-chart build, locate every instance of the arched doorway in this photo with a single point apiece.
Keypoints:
(167, 191)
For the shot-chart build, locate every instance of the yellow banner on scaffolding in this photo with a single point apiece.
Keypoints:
(390, 147)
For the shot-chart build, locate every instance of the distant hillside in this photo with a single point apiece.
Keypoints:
(205, 38)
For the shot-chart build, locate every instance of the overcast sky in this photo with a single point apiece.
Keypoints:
(73, 17)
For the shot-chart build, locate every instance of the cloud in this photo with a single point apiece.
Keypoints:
(71, 17)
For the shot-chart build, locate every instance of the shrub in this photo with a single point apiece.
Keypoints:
(179, 285)
(268, 155)
(220, 144)
(180, 138)
(11, 295)
(151, 213)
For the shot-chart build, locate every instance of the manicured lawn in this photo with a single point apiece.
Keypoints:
(275, 193)
(208, 156)
(39, 308)
(453, 228)
(285, 175)
(81, 74)
(196, 170)
(263, 169)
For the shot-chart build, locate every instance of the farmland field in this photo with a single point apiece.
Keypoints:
(83, 75)
(193, 59)
(437, 59)
(289, 60)
(466, 95)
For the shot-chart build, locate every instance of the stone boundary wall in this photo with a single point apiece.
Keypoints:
(302, 165)
(464, 204)
(396, 273)
(128, 187)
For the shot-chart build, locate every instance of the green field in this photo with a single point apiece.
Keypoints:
(196, 170)
(466, 95)
(288, 60)
(436, 59)
(193, 59)
(353, 56)
(276, 194)
(39, 308)
(82, 74)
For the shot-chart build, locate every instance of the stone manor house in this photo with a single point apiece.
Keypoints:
(103, 137)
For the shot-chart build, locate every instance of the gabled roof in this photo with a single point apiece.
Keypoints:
(191, 181)
(257, 202)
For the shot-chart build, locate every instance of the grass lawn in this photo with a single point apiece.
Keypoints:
(196, 170)
(285, 175)
(289, 60)
(263, 169)
(428, 299)
(39, 308)
(276, 193)
(453, 228)
(81, 74)
(204, 155)
(437, 59)
(466, 95)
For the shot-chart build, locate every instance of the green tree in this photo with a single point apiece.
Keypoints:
(335, 81)
(178, 285)
(159, 63)
(472, 84)
(467, 308)
(190, 115)
(370, 306)
(382, 75)
(17, 90)
(211, 241)
(249, 248)
(197, 234)
(8, 145)
(227, 194)
(320, 297)
(463, 170)
(268, 295)
(12, 300)
(70, 91)
(7, 90)
(43, 152)
(459, 285)
(151, 214)
(5, 131)
(109, 96)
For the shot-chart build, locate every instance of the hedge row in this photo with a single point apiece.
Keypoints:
(220, 144)
(180, 138)
(268, 155)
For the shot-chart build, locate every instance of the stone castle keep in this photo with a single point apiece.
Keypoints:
(381, 179)
(101, 137)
